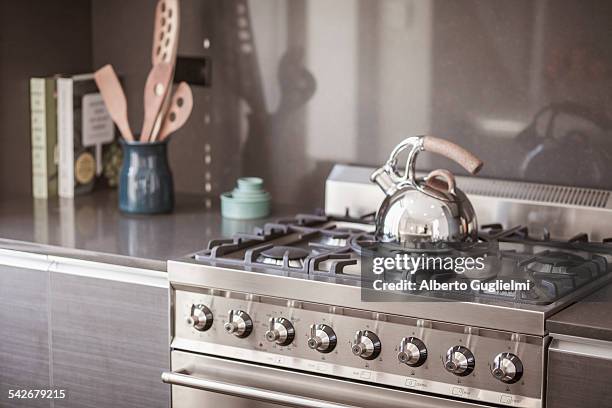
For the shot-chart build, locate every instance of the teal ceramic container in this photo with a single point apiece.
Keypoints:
(145, 180)
(247, 201)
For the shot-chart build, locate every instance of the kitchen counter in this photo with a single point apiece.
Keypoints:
(590, 318)
(92, 228)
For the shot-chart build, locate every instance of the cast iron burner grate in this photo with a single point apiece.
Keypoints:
(326, 248)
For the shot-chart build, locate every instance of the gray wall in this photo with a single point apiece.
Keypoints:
(301, 84)
(37, 38)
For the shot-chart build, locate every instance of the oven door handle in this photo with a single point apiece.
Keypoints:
(242, 391)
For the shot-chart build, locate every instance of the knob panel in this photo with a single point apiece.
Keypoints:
(322, 338)
(412, 352)
(366, 345)
(239, 324)
(200, 317)
(280, 331)
(459, 360)
(507, 368)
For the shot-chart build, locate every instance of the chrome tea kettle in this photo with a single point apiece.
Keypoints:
(418, 212)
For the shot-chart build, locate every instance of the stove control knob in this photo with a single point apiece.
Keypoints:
(280, 331)
(239, 323)
(322, 338)
(366, 345)
(507, 368)
(412, 352)
(200, 318)
(459, 360)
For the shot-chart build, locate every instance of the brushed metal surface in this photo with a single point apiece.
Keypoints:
(310, 386)
(577, 380)
(341, 362)
(110, 342)
(24, 349)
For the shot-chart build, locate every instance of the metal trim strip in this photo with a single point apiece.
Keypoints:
(105, 271)
(581, 346)
(26, 260)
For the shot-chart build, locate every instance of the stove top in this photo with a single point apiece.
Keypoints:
(330, 249)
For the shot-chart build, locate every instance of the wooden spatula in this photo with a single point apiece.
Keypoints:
(165, 45)
(165, 35)
(178, 112)
(114, 99)
(156, 88)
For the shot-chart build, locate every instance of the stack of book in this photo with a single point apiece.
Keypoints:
(73, 137)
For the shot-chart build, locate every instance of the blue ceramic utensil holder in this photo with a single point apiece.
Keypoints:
(145, 181)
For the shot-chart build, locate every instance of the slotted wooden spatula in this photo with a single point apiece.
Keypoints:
(156, 88)
(165, 34)
(178, 112)
(165, 45)
(114, 99)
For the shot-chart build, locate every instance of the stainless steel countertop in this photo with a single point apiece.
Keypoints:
(91, 227)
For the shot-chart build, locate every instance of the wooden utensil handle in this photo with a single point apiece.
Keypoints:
(447, 184)
(454, 152)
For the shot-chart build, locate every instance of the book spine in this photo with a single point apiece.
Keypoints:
(51, 132)
(38, 134)
(65, 134)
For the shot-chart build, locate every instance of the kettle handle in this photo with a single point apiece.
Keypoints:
(447, 185)
(388, 177)
(454, 152)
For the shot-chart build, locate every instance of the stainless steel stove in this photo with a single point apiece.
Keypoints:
(278, 315)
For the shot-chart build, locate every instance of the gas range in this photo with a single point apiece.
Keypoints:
(288, 298)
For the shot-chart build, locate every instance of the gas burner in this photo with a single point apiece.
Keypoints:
(557, 273)
(347, 231)
(554, 262)
(331, 248)
(333, 241)
(334, 238)
(275, 256)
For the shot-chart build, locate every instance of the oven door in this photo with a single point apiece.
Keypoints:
(204, 381)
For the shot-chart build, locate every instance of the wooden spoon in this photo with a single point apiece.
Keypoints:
(156, 88)
(179, 111)
(114, 99)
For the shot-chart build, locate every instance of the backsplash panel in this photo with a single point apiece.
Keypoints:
(526, 85)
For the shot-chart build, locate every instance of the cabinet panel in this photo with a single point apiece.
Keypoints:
(578, 381)
(24, 347)
(110, 342)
